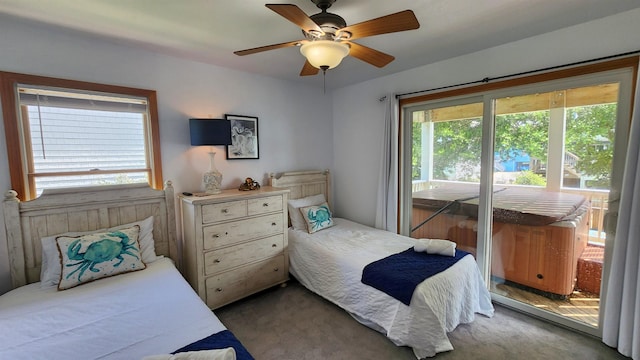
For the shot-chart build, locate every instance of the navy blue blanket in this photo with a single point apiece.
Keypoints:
(399, 274)
(221, 340)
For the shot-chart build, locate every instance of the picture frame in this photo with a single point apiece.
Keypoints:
(244, 137)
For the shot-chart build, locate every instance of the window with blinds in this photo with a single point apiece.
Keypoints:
(76, 134)
(80, 139)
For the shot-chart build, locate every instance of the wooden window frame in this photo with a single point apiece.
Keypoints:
(21, 182)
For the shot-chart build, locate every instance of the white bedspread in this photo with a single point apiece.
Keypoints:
(128, 316)
(330, 263)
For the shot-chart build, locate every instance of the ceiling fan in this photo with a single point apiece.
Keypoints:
(328, 39)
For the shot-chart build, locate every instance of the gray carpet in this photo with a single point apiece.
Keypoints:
(293, 323)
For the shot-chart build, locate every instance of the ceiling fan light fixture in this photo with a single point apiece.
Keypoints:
(324, 53)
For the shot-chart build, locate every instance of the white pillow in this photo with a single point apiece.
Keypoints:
(95, 256)
(297, 221)
(50, 271)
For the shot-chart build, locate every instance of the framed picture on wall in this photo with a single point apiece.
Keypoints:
(244, 137)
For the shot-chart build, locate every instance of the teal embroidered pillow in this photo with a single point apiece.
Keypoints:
(317, 217)
(94, 256)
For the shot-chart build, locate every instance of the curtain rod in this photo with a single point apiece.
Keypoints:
(488, 79)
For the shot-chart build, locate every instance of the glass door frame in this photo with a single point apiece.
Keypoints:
(624, 76)
(405, 161)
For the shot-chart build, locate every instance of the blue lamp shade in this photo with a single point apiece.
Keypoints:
(210, 131)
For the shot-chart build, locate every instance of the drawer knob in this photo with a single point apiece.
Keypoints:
(274, 245)
(224, 211)
(216, 261)
(539, 276)
(215, 235)
(219, 289)
(265, 205)
(273, 224)
(276, 269)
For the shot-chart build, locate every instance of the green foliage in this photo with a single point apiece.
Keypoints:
(530, 178)
(528, 132)
(457, 144)
(416, 154)
(590, 136)
(456, 148)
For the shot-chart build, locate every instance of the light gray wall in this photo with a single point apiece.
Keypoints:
(358, 116)
(294, 125)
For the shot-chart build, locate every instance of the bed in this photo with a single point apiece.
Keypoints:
(330, 263)
(132, 313)
(538, 235)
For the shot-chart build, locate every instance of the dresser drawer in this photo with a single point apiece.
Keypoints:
(224, 259)
(231, 285)
(222, 235)
(224, 211)
(264, 205)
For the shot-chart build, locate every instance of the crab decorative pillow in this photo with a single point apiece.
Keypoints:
(94, 256)
(317, 217)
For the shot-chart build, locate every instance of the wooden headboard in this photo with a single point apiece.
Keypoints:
(304, 183)
(83, 209)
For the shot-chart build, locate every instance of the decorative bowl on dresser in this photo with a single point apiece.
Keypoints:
(235, 243)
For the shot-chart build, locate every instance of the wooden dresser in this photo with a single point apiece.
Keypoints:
(234, 243)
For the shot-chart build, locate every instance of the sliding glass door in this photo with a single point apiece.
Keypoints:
(521, 178)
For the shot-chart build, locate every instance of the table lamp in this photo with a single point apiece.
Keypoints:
(210, 132)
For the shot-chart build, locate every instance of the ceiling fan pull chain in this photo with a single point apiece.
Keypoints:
(324, 79)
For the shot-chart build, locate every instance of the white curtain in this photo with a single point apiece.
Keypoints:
(621, 319)
(387, 205)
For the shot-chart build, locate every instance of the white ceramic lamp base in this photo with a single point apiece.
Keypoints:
(213, 178)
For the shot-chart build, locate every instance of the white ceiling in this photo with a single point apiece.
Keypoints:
(210, 30)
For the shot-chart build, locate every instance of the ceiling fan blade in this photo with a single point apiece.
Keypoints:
(400, 21)
(308, 69)
(369, 55)
(295, 15)
(267, 47)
